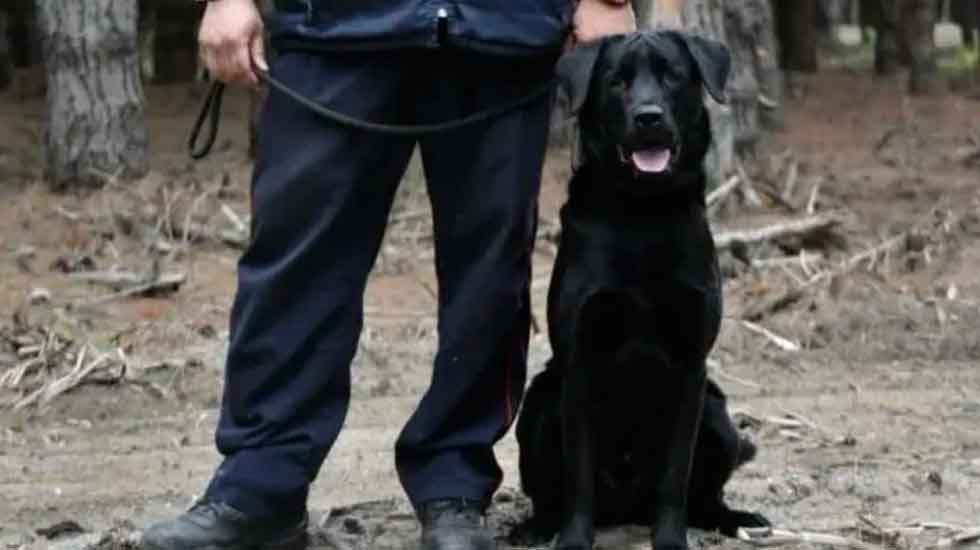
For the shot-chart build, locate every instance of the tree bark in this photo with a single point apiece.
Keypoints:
(707, 17)
(917, 23)
(967, 14)
(175, 47)
(95, 127)
(147, 37)
(888, 51)
(6, 56)
(797, 30)
(755, 85)
(25, 48)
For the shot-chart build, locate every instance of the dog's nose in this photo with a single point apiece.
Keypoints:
(648, 116)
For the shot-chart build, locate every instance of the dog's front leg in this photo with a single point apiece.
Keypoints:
(669, 525)
(578, 441)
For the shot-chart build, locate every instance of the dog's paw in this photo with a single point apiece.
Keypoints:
(740, 518)
(568, 540)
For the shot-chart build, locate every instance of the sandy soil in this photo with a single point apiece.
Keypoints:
(882, 397)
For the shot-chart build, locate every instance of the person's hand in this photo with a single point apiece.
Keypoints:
(597, 18)
(231, 41)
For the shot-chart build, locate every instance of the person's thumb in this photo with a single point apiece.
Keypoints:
(258, 52)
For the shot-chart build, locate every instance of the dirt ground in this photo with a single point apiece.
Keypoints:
(867, 413)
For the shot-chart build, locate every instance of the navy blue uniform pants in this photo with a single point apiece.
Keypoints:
(321, 196)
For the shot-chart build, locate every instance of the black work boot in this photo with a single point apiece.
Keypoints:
(217, 526)
(454, 524)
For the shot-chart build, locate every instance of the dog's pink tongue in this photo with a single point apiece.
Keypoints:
(651, 160)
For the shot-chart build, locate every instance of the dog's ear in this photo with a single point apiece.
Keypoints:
(713, 60)
(574, 71)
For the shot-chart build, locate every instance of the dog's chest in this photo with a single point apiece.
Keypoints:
(649, 296)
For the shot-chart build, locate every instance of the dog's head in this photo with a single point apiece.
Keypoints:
(639, 102)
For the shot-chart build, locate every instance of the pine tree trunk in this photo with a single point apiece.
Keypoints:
(797, 30)
(6, 56)
(766, 61)
(888, 54)
(918, 20)
(967, 14)
(95, 129)
(147, 37)
(707, 17)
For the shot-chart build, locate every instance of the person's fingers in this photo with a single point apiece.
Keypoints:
(258, 52)
(242, 61)
(227, 37)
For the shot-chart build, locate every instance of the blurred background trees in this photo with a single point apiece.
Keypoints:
(91, 58)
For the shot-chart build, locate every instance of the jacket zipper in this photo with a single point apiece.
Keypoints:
(442, 21)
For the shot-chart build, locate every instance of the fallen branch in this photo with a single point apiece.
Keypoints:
(130, 285)
(790, 228)
(963, 537)
(722, 191)
(234, 238)
(765, 536)
(718, 371)
(804, 259)
(792, 176)
(235, 220)
(781, 342)
(127, 279)
(73, 379)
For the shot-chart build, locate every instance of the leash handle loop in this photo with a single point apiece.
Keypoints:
(212, 110)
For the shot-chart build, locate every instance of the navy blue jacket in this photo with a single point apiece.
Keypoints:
(503, 27)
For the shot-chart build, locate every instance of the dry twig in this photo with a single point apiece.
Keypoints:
(781, 342)
(765, 536)
(789, 228)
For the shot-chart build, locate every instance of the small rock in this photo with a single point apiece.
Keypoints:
(60, 530)
(935, 481)
(39, 296)
(66, 264)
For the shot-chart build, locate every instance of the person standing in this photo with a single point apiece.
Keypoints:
(321, 194)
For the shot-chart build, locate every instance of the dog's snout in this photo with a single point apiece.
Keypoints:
(648, 116)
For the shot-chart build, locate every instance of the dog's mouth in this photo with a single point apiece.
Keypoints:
(654, 159)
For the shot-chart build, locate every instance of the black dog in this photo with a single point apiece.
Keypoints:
(612, 431)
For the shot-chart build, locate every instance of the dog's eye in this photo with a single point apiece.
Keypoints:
(617, 81)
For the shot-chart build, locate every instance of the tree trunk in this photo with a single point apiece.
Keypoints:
(757, 84)
(797, 30)
(917, 23)
(25, 49)
(147, 36)
(888, 52)
(967, 14)
(6, 56)
(175, 49)
(95, 127)
(707, 17)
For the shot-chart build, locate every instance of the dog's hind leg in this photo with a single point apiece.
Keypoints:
(720, 451)
(540, 456)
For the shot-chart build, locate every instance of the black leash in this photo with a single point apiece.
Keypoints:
(211, 110)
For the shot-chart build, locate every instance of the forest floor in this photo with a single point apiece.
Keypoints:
(864, 397)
